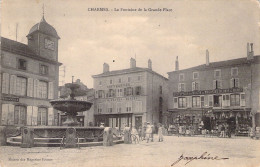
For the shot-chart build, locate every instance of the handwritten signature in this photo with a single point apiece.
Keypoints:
(204, 156)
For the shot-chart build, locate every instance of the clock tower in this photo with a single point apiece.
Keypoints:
(43, 40)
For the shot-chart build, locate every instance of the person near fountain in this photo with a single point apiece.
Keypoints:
(149, 131)
(160, 132)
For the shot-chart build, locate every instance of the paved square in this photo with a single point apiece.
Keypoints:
(240, 151)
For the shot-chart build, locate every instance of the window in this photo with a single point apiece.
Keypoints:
(129, 79)
(235, 100)
(234, 83)
(22, 64)
(100, 94)
(243, 100)
(129, 91)
(21, 83)
(217, 84)
(100, 83)
(109, 108)
(195, 86)
(111, 81)
(44, 69)
(160, 89)
(181, 87)
(234, 71)
(195, 75)
(226, 100)
(181, 77)
(138, 106)
(119, 92)
(138, 90)
(129, 106)
(139, 78)
(119, 107)
(42, 116)
(100, 108)
(182, 102)
(210, 101)
(217, 100)
(111, 93)
(202, 101)
(43, 90)
(175, 102)
(196, 101)
(217, 73)
(119, 80)
(20, 115)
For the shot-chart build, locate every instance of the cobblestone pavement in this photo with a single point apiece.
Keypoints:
(240, 151)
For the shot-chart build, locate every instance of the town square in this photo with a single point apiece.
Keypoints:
(109, 83)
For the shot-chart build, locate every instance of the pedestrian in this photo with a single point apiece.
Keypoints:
(160, 133)
(149, 132)
(140, 132)
(143, 131)
(222, 133)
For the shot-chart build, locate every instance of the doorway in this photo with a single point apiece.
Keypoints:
(138, 122)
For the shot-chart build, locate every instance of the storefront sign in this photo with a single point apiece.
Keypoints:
(205, 92)
(119, 85)
(15, 99)
(122, 99)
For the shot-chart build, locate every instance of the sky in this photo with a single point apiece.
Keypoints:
(90, 38)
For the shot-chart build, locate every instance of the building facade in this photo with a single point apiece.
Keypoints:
(130, 96)
(85, 118)
(29, 78)
(213, 94)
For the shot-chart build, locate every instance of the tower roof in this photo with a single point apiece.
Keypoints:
(45, 28)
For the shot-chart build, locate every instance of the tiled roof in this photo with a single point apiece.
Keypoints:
(220, 64)
(22, 49)
(127, 71)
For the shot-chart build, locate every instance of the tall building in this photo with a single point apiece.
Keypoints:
(85, 118)
(129, 96)
(29, 78)
(216, 93)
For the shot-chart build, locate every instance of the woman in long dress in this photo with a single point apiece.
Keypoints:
(160, 133)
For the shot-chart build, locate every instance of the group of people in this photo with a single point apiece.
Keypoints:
(225, 130)
(147, 130)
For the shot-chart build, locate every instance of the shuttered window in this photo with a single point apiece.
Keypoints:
(42, 116)
(50, 90)
(42, 89)
(20, 115)
(30, 87)
(5, 83)
(21, 84)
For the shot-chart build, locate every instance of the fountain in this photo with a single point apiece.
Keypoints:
(71, 106)
(70, 134)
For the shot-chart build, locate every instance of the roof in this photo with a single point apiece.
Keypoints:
(45, 28)
(127, 71)
(220, 64)
(22, 49)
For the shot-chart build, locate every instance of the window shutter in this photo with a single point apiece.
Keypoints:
(35, 88)
(210, 100)
(214, 84)
(231, 83)
(237, 82)
(4, 114)
(228, 100)
(124, 91)
(30, 87)
(193, 86)
(175, 102)
(10, 117)
(50, 116)
(34, 115)
(220, 84)
(242, 100)
(13, 84)
(50, 90)
(5, 83)
(29, 115)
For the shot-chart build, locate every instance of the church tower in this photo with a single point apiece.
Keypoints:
(43, 40)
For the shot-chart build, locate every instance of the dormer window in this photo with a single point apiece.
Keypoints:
(195, 75)
(217, 73)
(22, 64)
(234, 71)
(181, 77)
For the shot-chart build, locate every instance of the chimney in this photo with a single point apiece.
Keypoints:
(132, 63)
(149, 64)
(250, 51)
(177, 64)
(105, 67)
(207, 57)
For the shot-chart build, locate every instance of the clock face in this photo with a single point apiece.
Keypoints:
(49, 44)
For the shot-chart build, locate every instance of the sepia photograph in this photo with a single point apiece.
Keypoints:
(130, 83)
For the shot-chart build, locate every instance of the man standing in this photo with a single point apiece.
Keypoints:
(149, 132)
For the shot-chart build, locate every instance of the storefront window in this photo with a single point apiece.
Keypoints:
(182, 102)
(235, 100)
(20, 115)
(196, 101)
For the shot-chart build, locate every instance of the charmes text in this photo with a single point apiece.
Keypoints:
(98, 9)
